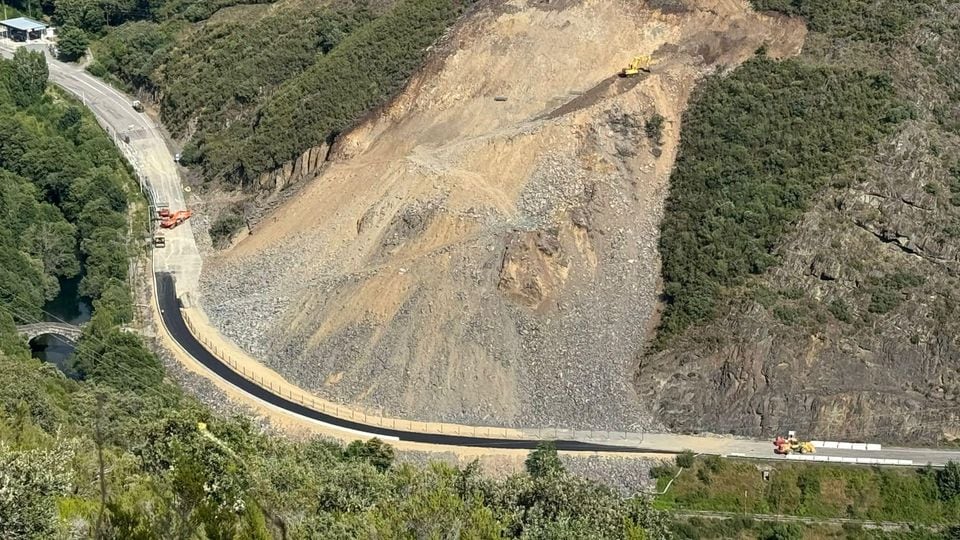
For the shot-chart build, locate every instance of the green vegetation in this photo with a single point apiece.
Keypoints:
(362, 71)
(72, 43)
(653, 128)
(168, 477)
(63, 196)
(922, 496)
(225, 226)
(698, 528)
(254, 91)
(857, 20)
(756, 145)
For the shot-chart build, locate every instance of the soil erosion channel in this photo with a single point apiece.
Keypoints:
(488, 261)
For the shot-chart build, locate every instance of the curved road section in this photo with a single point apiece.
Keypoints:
(173, 320)
(177, 270)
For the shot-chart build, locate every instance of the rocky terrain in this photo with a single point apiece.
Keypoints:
(485, 249)
(853, 334)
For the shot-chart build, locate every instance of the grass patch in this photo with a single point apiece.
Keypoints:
(922, 496)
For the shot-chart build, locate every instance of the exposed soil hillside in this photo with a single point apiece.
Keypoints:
(486, 260)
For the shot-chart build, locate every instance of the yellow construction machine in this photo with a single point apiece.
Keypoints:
(638, 64)
(792, 445)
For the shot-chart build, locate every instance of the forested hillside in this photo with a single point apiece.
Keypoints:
(251, 87)
(166, 476)
(810, 244)
(64, 193)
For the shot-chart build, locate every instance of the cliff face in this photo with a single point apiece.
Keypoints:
(486, 249)
(854, 334)
(305, 167)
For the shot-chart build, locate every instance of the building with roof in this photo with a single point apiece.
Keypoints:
(23, 29)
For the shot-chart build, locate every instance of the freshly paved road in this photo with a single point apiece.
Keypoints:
(180, 261)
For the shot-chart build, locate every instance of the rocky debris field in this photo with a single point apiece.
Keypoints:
(490, 262)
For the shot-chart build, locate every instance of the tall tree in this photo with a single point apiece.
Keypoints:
(29, 76)
(71, 43)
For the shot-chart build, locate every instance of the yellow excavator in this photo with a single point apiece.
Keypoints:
(638, 64)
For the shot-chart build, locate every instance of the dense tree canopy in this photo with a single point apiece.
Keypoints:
(63, 195)
(755, 146)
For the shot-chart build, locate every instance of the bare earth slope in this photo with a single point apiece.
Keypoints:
(478, 260)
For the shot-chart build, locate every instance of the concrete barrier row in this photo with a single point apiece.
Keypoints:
(846, 445)
(838, 459)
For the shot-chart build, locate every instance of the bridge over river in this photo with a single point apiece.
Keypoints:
(68, 332)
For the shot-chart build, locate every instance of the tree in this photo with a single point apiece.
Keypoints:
(948, 481)
(71, 43)
(29, 78)
(70, 117)
(55, 244)
(544, 461)
(108, 355)
(115, 302)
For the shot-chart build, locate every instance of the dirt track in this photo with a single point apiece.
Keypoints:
(483, 261)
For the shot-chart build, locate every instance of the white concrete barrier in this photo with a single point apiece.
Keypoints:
(830, 444)
(873, 447)
(858, 446)
(845, 446)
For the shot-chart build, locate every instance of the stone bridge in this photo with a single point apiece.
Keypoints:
(67, 331)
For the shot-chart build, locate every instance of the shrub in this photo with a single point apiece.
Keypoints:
(544, 461)
(663, 470)
(654, 128)
(224, 227)
(713, 463)
(685, 459)
(948, 481)
(781, 531)
(839, 309)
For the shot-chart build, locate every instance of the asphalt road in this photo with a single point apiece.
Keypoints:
(177, 270)
(176, 326)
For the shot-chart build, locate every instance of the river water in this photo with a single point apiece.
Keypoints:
(69, 307)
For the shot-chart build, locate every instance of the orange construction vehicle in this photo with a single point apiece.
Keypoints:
(792, 445)
(176, 218)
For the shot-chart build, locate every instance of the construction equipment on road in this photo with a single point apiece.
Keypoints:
(159, 241)
(163, 211)
(792, 445)
(175, 219)
(137, 106)
(638, 64)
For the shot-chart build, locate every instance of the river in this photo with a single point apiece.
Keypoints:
(69, 307)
